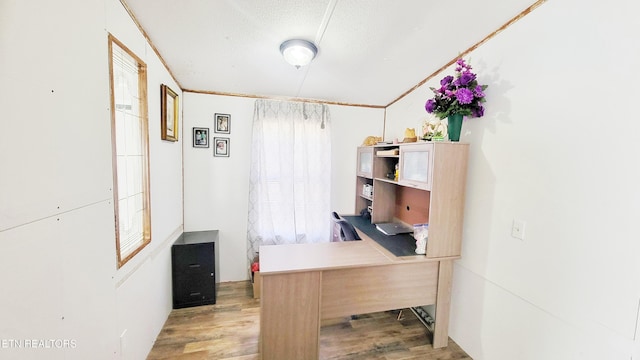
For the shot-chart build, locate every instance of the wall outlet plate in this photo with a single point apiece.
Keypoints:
(517, 229)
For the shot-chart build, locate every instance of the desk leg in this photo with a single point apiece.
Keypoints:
(290, 316)
(443, 304)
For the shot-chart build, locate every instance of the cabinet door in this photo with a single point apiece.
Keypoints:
(416, 165)
(365, 162)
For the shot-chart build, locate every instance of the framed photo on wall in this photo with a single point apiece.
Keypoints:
(222, 123)
(200, 137)
(168, 113)
(221, 146)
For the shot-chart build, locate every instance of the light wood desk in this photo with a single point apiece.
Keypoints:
(305, 283)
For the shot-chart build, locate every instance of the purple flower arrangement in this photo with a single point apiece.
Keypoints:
(458, 95)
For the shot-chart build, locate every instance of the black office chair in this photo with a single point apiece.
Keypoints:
(343, 230)
(347, 231)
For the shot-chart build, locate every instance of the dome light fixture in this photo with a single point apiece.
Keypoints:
(298, 52)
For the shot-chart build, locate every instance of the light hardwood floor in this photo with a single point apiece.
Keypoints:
(230, 329)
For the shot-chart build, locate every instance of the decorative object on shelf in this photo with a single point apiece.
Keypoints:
(410, 135)
(200, 137)
(222, 123)
(457, 95)
(371, 140)
(433, 129)
(367, 190)
(168, 114)
(421, 233)
(221, 146)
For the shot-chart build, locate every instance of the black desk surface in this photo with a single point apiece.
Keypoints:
(398, 245)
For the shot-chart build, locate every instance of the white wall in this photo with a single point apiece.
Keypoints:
(216, 188)
(57, 241)
(557, 149)
(349, 127)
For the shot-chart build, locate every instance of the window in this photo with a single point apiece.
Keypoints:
(130, 142)
(290, 175)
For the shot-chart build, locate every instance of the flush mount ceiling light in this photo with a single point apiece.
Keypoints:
(298, 52)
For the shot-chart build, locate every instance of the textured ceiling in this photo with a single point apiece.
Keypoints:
(370, 52)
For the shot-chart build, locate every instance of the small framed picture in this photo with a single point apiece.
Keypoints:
(220, 146)
(168, 114)
(200, 137)
(223, 123)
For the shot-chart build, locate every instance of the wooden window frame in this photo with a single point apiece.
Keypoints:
(144, 133)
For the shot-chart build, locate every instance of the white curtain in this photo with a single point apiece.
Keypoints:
(290, 179)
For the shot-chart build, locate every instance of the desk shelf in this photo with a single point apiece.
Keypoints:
(387, 181)
(389, 156)
(438, 201)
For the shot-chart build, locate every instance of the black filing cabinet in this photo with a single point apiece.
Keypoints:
(193, 264)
